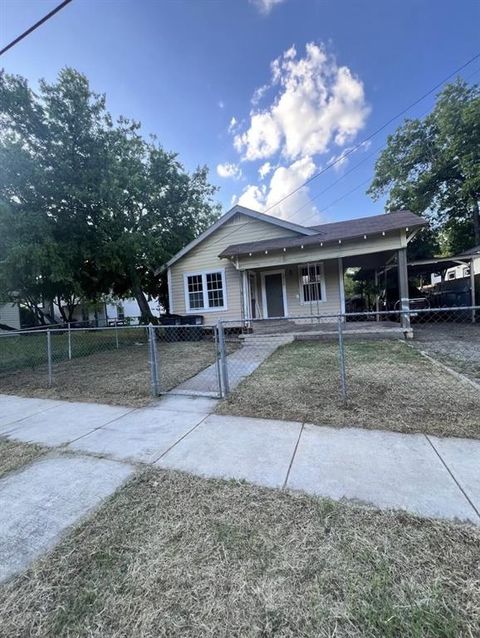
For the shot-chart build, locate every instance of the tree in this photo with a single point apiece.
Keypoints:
(88, 207)
(51, 148)
(432, 167)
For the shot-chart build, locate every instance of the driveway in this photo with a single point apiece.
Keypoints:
(96, 447)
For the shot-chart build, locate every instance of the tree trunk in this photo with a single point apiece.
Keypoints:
(60, 308)
(145, 312)
(476, 222)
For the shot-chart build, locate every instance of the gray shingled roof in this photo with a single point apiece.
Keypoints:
(471, 251)
(349, 229)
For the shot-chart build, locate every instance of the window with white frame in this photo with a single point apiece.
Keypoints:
(312, 283)
(205, 291)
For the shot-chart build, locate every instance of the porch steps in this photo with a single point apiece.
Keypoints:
(271, 340)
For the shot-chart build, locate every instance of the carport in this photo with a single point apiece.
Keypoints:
(428, 267)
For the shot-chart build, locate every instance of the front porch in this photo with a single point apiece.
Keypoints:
(309, 296)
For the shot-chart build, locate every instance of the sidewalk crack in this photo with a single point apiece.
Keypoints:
(472, 505)
(293, 457)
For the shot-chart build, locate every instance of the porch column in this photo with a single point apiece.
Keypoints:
(377, 299)
(403, 286)
(472, 287)
(245, 295)
(341, 286)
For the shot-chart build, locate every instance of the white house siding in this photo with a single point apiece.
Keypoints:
(10, 315)
(239, 229)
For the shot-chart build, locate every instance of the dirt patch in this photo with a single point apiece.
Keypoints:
(389, 386)
(119, 377)
(174, 555)
(14, 455)
(455, 345)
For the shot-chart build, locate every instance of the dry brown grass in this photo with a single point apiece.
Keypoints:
(174, 555)
(14, 455)
(390, 386)
(119, 377)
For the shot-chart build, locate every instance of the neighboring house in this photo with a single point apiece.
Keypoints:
(251, 265)
(9, 315)
(109, 313)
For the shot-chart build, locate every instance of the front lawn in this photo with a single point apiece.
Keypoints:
(174, 555)
(120, 377)
(390, 385)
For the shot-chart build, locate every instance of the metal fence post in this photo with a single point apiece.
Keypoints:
(152, 349)
(49, 357)
(217, 362)
(69, 342)
(223, 359)
(341, 361)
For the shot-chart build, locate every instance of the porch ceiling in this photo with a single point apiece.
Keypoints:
(372, 261)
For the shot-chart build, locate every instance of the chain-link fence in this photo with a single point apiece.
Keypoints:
(125, 365)
(408, 371)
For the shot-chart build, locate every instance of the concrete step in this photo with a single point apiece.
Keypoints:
(265, 339)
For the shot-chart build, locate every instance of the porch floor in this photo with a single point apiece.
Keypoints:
(314, 327)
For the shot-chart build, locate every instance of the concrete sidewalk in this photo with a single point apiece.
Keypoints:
(95, 449)
(422, 474)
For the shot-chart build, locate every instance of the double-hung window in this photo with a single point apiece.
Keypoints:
(205, 290)
(312, 283)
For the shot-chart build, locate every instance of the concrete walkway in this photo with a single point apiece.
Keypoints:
(95, 448)
(241, 364)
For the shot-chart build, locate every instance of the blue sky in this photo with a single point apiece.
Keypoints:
(329, 73)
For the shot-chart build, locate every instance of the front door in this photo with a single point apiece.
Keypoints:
(274, 295)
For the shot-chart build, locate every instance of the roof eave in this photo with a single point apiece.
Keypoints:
(227, 254)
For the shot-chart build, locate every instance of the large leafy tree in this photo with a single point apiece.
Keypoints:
(432, 167)
(88, 207)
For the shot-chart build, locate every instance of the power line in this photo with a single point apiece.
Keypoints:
(35, 26)
(376, 132)
(353, 168)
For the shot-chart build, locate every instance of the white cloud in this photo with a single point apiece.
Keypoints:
(318, 104)
(221, 104)
(233, 125)
(262, 139)
(265, 6)
(259, 93)
(284, 180)
(265, 169)
(229, 170)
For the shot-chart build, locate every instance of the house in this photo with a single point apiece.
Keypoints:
(113, 311)
(251, 265)
(9, 316)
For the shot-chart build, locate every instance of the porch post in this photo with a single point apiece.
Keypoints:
(377, 299)
(245, 296)
(341, 286)
(403, 287)
(472, 287)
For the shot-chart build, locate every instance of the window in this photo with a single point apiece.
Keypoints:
(451, 274)
(466, 271)
(312, 284)
(205, 291)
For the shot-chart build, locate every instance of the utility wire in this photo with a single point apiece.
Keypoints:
(35, 26)
(376, 132)
(353, 168)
